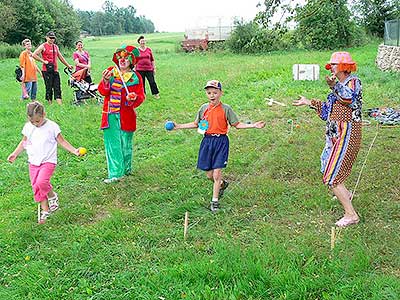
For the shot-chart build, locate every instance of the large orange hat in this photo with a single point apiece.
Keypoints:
(344, 61)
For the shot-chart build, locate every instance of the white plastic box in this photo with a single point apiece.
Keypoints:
(305, 72)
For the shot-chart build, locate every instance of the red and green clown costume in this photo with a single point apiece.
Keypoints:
(118, 120)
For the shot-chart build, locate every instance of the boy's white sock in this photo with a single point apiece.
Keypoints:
(215, 199)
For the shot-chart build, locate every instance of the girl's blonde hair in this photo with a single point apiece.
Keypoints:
(34, 108)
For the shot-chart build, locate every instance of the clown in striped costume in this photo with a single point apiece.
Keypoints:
(123, 91)
(342, 113)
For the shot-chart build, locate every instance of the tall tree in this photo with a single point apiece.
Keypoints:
(86, 19)
(325, 24)
(31, 25)
(371, 14)
(66, 21)
(8, 18)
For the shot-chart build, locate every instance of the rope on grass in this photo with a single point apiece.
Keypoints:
(364, 163)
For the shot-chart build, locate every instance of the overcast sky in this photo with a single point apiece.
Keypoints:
(178, 15)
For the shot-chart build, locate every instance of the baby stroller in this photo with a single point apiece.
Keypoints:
(82, 89)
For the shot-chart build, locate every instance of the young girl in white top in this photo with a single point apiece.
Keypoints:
(40, 139)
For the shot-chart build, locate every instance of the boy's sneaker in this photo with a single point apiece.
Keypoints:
(214, 206)
(43, 217)
(223, 187)
(53, 203)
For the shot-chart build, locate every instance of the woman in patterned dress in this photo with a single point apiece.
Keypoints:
(342, 113)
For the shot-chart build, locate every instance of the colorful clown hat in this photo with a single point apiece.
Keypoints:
(131, 53)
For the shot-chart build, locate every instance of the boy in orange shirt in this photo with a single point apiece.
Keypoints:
(213, 120)
(29, 69)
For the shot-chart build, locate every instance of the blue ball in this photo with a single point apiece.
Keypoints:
(169, 125)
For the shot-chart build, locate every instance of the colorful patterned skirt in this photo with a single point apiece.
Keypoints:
(343, 141)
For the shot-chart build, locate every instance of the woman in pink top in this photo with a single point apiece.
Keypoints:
(146, 67)
(82, 60)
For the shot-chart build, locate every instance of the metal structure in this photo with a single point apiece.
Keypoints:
(205, 30)
(392, 33)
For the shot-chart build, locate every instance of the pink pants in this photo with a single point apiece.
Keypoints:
(40, 180)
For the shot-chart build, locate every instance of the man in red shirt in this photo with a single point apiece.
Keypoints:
(49, 52)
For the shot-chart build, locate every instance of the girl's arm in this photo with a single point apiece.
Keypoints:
(259, 125)
(185, 126)
(13, 156)
(66, 145)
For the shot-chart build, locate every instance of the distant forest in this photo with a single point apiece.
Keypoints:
(34, 18)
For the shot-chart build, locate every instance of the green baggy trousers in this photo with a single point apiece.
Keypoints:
(118, 145)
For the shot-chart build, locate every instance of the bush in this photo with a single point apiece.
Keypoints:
(241, 37)
(251, 38)
(217, 46)
(9, 51)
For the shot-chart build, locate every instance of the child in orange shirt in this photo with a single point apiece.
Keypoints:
(29, 69)
(213, 120)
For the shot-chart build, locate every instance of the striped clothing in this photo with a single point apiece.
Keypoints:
(342, 113)
(115, 96)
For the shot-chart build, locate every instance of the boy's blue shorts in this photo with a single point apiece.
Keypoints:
(213, 153)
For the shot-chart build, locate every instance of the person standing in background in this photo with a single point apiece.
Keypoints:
(146, 67)
(29, 69)
(50, 52)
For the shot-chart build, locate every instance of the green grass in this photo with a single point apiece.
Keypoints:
(272, 238)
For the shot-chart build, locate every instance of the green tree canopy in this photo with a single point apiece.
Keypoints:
(326, 24)
(34, 18)
(8, 19)
(371, 14)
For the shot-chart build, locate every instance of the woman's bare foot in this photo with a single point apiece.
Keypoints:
(348, 220)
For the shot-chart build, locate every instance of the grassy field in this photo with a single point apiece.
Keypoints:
(271, 239)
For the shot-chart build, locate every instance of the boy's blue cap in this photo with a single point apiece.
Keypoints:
(214, 83)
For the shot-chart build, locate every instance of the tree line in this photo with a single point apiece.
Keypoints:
(114, 20)
(34, 18)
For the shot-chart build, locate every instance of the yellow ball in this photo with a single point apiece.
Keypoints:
(82, 151)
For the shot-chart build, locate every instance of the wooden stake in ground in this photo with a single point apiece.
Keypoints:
(333, 237)
(185, 225)
(38, 212)
(290, 121)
